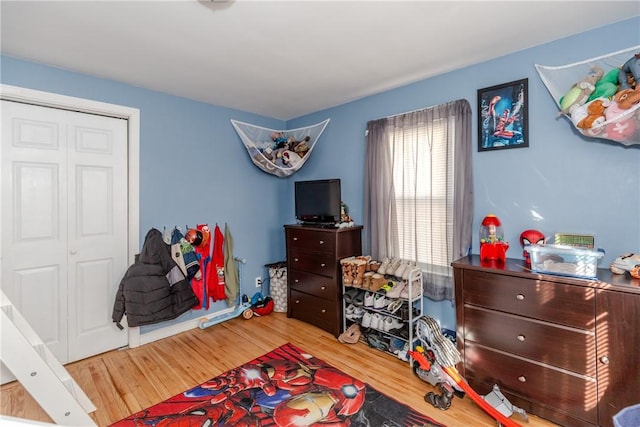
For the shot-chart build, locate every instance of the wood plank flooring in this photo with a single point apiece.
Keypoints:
(122, 382)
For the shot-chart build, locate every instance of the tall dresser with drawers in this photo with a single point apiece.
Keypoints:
(562, 348)
(314, 275)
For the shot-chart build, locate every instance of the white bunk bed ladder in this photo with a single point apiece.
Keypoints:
(38, 370)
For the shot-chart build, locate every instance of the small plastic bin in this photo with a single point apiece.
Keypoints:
(564, 260)
(628, 417)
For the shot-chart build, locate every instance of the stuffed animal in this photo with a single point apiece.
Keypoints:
(620, 124)
(594, 117)
(607, 86)
(278, 139)
(290, 158)
(579, 93)
(293, 144)
(632, 66)
(627, 98)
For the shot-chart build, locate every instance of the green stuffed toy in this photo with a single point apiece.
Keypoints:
(607, 86)
(580, 91)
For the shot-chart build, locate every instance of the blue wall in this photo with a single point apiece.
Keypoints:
(195, 169)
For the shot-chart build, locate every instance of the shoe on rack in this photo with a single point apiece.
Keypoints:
(396, 290)
(415, 288)
(349, 295)
(377, 321)
(379, 301)
(368, 299)
(410, 267)
(366, 319)
(385, 264)
(377, 342)
(394, 306)
(358, 299)
(401, 268)
(393, 266)
(349, 311)
(358, 313)
(396, 345)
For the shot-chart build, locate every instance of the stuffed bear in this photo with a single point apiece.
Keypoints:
(579, 93)
(594, 117)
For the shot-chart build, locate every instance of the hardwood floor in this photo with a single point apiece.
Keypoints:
(125, 381)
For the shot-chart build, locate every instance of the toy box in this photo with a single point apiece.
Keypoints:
(564, 260)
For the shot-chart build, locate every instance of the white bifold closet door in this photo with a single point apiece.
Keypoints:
(64, 224)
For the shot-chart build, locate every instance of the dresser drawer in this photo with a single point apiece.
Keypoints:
(323, 264)
(553, 302)
(571, 393)
(544, 342)
(320, 286)
(311, 240)
(317, 311)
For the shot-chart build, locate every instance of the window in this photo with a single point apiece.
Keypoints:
(423, 184)
(418, 195)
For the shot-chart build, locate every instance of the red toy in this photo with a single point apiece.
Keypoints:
(492, 244)
(530, 237)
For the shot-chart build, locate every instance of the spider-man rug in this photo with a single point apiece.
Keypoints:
(285, 387)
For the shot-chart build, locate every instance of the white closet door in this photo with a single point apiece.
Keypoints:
(64, 224)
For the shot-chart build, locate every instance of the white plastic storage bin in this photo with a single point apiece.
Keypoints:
(564, 260)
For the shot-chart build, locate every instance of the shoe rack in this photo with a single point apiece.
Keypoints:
(385, 300)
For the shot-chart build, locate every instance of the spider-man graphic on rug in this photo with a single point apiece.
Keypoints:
(284, 388)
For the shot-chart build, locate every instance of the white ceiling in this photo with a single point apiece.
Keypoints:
(283, 59)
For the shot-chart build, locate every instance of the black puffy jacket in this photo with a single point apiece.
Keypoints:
(154, 288)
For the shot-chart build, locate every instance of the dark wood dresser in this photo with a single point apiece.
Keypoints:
(314, 275)
(562, 348)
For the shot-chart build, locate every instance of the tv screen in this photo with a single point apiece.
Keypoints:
(318, 201)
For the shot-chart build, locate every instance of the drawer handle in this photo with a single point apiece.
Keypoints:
(295, 260)
(520, 297)
(297, 281)
(604, 360)
(322, 242)
(323, 265)
(324, 310)
(324, 288)
(297, 301)
(521, 337)
(295, 238)
(522, 379)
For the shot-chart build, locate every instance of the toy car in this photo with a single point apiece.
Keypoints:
(627, 262)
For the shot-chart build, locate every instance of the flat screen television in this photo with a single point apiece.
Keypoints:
(318, 202)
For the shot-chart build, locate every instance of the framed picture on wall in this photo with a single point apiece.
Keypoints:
(502, 116)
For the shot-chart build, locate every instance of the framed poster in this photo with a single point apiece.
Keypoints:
(502, 116)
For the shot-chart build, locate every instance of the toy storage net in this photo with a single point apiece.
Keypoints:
(613, 122)
(279, 152)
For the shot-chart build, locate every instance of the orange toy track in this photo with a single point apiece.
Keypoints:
(497, 415)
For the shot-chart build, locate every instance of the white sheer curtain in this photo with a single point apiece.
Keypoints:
(419, 190)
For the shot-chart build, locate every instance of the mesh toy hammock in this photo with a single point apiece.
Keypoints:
(279, 152)
(609, 112)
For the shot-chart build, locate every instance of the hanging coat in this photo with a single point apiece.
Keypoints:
(153, 289)
(215, 274)
(198, 284)
(231, 280)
